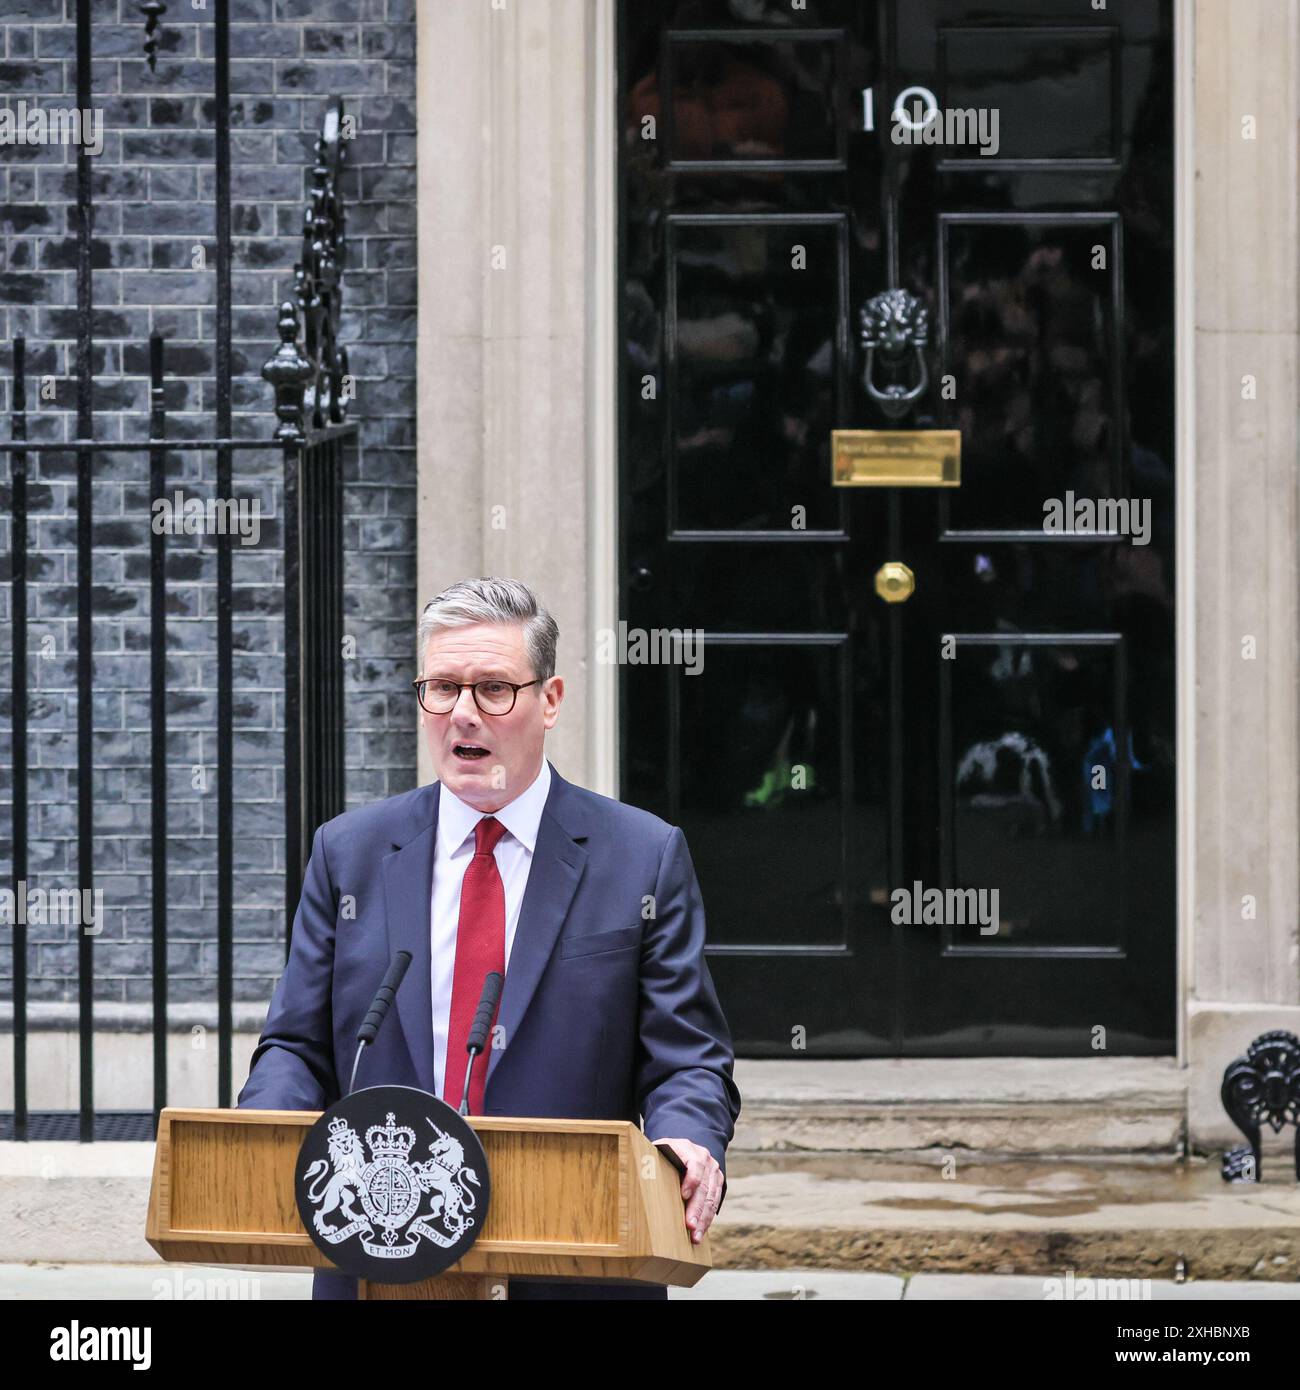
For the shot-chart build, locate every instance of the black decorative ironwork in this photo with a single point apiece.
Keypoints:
(895, 324)
(309, 381)
(153, 11)
(1263, 1087)
(288, 371)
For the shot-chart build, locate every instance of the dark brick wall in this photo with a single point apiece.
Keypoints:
(154, 191)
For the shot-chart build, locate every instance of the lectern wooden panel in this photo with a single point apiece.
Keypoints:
(577, 1199)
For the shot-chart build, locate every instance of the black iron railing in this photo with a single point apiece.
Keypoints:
(309, 375)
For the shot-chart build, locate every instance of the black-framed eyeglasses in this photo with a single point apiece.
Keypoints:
(438, 696)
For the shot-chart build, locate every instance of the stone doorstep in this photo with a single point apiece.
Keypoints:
(1033, 1217)
(1260, 1254)
(1008, 1105)
(1010, 1130)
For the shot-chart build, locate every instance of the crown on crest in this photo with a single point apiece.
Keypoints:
(338, 1125)
(390, 1140)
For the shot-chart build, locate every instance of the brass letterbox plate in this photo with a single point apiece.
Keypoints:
(896, 458)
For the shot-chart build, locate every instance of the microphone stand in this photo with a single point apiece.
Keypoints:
(478, 1032)
(379, 1009)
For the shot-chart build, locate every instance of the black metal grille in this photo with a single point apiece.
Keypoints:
(310, 383)
(110, 1126)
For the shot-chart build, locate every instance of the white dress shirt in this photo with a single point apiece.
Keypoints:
(452, 854)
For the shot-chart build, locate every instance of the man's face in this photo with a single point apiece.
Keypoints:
(488, 759)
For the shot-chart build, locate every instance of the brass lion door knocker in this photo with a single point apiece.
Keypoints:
(894, 323)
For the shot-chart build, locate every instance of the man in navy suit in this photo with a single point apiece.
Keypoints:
(591, 908)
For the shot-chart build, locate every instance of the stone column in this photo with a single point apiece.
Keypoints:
(516, 397)
(1241, 564)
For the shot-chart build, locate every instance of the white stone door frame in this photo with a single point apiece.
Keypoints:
(1238, 72)
(1184, 497)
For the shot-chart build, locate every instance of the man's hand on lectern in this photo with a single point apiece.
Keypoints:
(701, 1186)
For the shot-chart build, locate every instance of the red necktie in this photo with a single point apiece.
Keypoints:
(480, 948)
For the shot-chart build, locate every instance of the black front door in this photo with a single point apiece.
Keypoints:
(841, 764)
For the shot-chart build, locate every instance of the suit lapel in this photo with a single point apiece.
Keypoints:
(408, 883)
(557, 867)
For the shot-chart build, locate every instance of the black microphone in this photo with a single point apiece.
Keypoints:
(379, 1009)
(478, 1029)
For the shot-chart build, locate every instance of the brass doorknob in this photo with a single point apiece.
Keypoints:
(895, 582)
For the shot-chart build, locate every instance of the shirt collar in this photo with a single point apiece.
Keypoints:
(521, 817)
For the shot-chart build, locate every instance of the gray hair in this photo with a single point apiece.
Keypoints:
(494, 601)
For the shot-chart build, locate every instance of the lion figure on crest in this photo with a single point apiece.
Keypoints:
(348, 1160)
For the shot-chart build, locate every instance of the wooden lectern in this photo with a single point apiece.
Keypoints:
(577, 1199)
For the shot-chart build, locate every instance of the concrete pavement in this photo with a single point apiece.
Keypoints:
(158, 1282)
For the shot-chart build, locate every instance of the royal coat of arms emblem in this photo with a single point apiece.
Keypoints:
(405, 1202)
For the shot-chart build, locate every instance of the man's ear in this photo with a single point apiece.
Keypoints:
(553, 692)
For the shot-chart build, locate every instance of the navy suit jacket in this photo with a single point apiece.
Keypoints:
(608, 1010)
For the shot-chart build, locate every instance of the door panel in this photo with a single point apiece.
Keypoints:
(835, 750)
(737, 97)
(754, 381)
(1034, 350)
